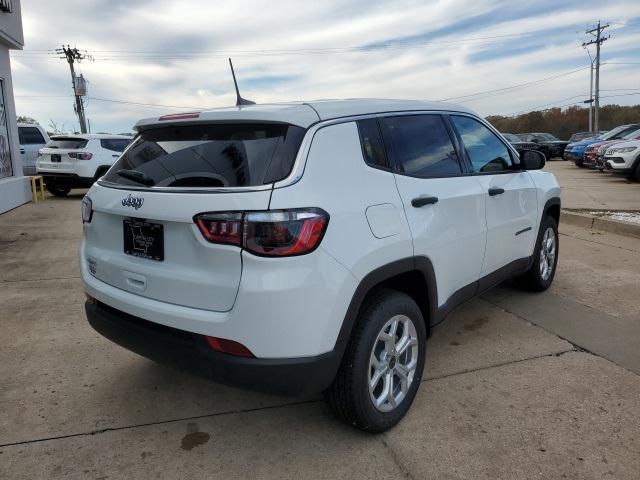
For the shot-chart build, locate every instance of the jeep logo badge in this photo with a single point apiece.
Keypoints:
(135, 202)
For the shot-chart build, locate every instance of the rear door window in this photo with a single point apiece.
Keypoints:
(69, 143)
(421, 146)
(30, 136)
(210, 155)
(114, 144)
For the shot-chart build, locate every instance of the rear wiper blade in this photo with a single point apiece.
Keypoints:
(136, 176)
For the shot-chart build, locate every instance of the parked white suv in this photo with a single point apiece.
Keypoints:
(309, 247)
(624, 158)
(32, 138)
(76, 161)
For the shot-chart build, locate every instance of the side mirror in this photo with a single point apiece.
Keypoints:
(532, 159)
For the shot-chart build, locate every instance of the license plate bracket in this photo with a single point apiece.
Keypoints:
(56, 158)
(143, 239)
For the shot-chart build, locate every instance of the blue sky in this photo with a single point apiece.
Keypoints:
(157, 52)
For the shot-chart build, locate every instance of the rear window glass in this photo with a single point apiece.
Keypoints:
(371, 142)
(67, 142)
(213, 155)
(114, 144)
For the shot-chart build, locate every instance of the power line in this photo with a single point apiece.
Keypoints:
(150, 54)
(512, 87)
(547, 104)
(125, 102)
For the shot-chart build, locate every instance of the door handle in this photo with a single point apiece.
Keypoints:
(493, 191)
(424, 200)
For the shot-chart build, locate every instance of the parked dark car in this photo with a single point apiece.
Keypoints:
(547, 143)
(519, 144)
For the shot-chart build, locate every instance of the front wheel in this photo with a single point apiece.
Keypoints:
(382, 366)
(635, 172)
(545, 258)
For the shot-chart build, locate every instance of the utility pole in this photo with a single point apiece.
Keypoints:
(72, 55)
(598, 41)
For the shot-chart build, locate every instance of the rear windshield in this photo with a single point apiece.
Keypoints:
(212, 155)
(67, 142)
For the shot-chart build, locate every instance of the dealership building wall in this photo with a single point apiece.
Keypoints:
(14, 187)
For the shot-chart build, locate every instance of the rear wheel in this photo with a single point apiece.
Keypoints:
(545, 258)
(382, 367)
(58, 189)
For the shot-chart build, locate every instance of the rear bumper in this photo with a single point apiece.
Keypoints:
(71, 179)
(190, 351)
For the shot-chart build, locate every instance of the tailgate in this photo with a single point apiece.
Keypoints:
(193, 272)
(56, 159)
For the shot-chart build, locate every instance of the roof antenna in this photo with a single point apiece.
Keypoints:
(239, 99)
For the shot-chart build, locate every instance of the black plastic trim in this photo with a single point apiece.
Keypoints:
(71, 179)
(424, 266)
(190, 351)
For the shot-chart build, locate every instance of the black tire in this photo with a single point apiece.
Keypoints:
(348, 396)
(534, 279)
(579, 163)
(58, 189)
(635, 173)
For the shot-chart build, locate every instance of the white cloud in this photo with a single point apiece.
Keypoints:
(118, 32)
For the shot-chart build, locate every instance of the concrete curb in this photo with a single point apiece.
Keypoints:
(598, 223)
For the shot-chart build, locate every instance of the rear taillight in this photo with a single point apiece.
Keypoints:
(87, 209)
(221, 227)
(81, 155)
(277, 233)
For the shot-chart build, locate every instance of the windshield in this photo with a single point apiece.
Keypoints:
(619, 132)
(209, 155)
(548, 137)
(67, 143)
(635, 135)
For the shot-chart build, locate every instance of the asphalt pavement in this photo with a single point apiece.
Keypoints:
(516, 385)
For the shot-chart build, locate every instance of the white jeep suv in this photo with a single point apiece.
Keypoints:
(76, 161)
(624, 158)
(311, 247)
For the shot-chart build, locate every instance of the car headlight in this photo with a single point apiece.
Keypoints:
(623, 149)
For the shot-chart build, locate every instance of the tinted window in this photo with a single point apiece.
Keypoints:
(486, 151)
(371, 141)
(212, 155)
(114, 144)
(30, 136)
(511, 137)
(67, 143)
(624, 133)
(421, 145)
